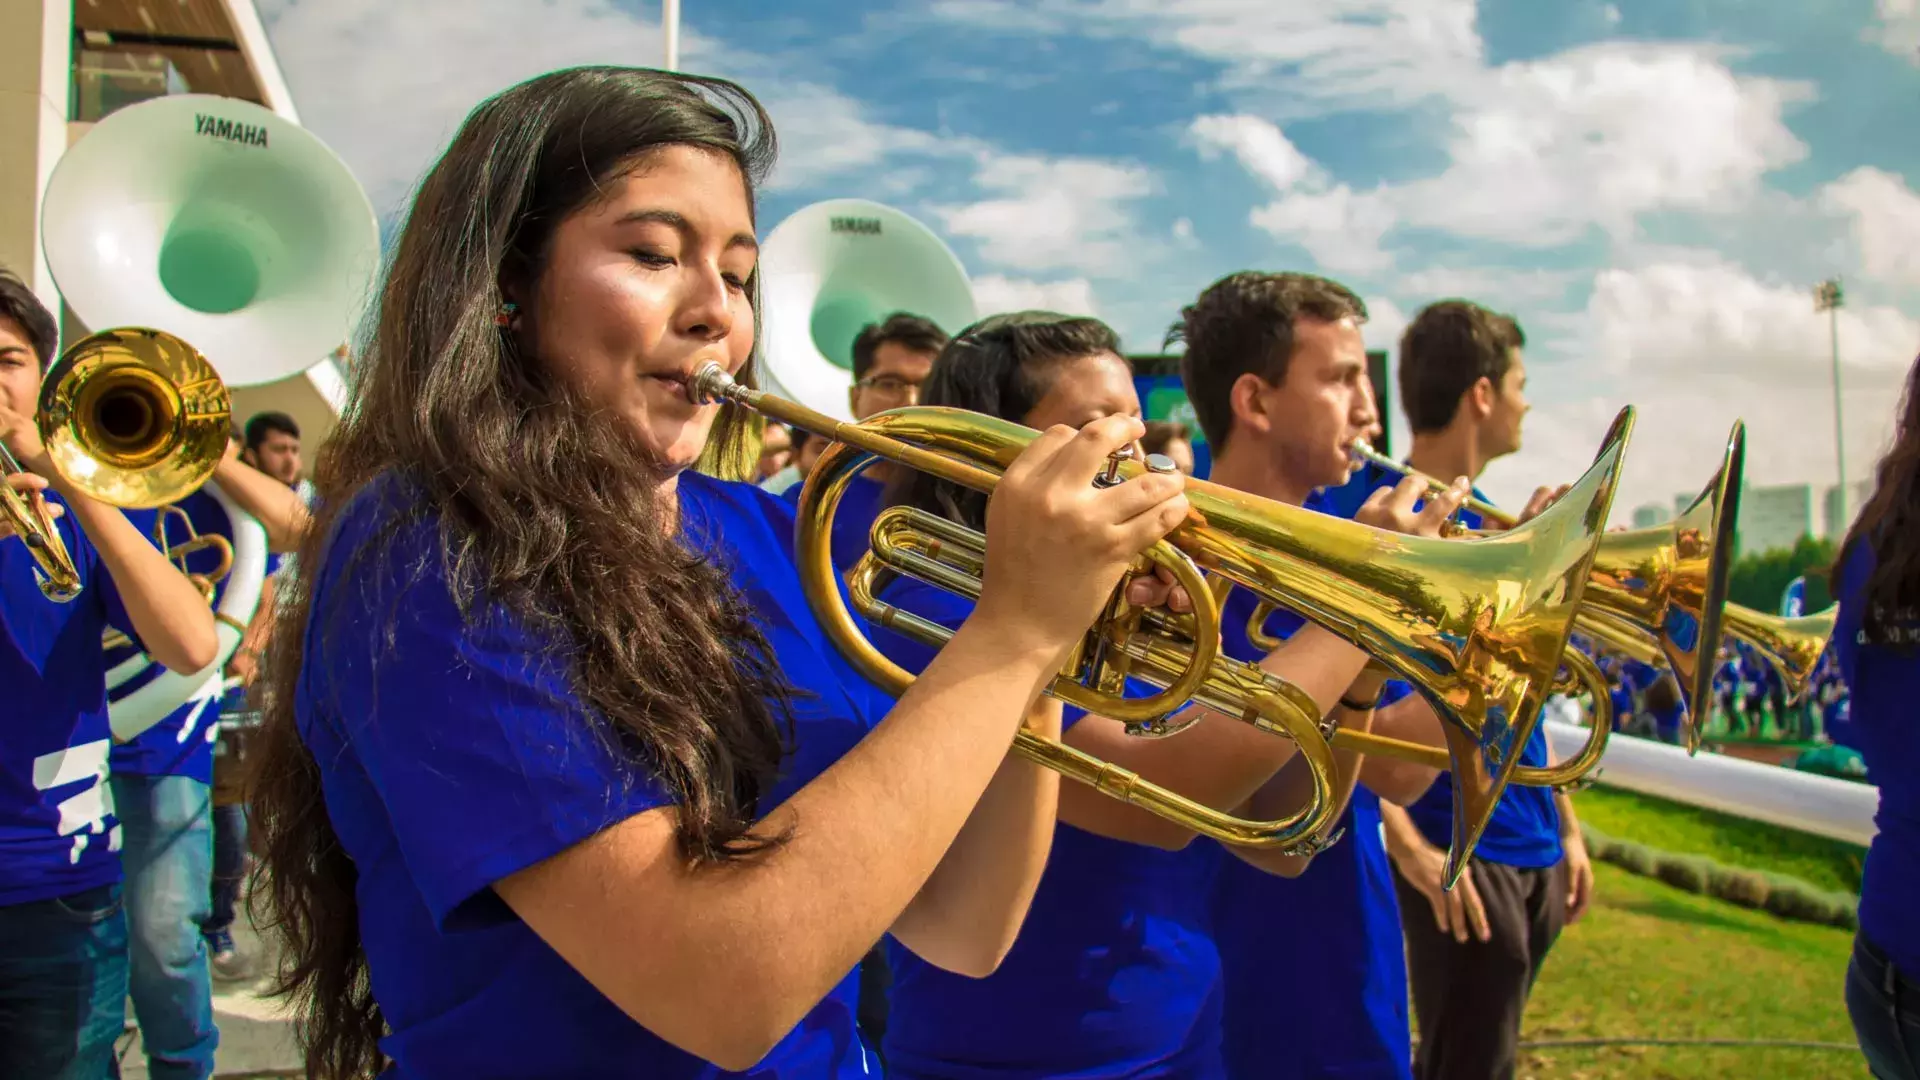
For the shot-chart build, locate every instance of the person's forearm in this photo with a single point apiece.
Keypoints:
(969, 912)
(170, 616)
(1398, 831)
(1222, 760)
(1290, 789)
(1411, 719)
(278, 507)
(772, 935)
(1569, 821)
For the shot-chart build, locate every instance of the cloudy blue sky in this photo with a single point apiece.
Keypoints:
(1652, 186)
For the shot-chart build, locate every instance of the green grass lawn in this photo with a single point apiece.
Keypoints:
(1689, 830)
(1651, 961)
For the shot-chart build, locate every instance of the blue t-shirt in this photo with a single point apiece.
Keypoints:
(1114, 973)
(181, 744)
(1332, 1000)
(58, 833)
(1884, 681)
(454, 753)
(1525, 828)
(852, 518)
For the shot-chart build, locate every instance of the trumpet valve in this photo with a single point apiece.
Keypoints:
(1111, 477)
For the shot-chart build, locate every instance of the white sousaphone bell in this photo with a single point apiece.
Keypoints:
(832, 268)
(238, 231)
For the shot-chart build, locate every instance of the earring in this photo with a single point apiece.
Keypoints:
(509, 313)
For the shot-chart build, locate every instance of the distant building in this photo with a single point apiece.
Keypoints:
(1772, 517)
(1838, 520)
(1646, 517)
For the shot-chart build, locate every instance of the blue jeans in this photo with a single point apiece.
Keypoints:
(1885, 1007)
(229, 865)
(168, 856)
(63, 986)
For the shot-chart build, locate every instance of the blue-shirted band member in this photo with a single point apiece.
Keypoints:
(162, 794)
(560, 776)
(1314, 984)
(269, 445)
(1115, 973)
(63, 933)
(891, 359)
(1877, 644)
(1474, 952)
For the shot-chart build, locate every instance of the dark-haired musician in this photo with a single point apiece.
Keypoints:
(891, 359)
(1877, 644)
(1473, 952)
(1116, 973)
(561, 776)
(63, 935)
(1276, 370)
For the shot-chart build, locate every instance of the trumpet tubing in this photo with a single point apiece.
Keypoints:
(1480, 626)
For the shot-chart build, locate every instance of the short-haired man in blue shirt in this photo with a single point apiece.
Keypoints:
(1473, 953)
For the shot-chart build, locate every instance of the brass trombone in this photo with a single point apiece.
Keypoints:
(1480, 626)
(131, 417)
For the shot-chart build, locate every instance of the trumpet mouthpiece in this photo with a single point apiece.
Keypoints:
(708, 383)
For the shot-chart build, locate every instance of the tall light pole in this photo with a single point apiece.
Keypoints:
(1828, 297)
(670, 22)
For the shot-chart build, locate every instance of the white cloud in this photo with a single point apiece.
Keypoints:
(1885, 216)
(1694, 343)
(1540, 152)
(824, 134)
(1543, 150)
(1260, 146)
(997, 293)
(1341, 228)
(386, 84)
(1052, 213)
(1510, 288)
(1898, 28)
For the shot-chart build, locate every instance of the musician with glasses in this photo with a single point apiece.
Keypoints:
(891, 359)
(1474, 952)
(1276, 370)
(1876, 643)
(63, 931)
(561, 775)
(1116, 973)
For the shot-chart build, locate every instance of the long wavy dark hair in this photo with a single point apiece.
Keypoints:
(1890, 525)
(1001, 366)
(539, 508)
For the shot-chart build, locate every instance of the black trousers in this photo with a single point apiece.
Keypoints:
(1468, 997)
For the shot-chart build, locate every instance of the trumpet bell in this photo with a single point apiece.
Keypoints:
(133, 417)
(1669, 582)
(1792, 645)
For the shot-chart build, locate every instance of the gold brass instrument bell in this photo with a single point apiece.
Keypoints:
(1480, 627)
(132, 417)
(1659, 593)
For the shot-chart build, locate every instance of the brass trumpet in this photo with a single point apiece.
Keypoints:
(1659, 593)
(131, 417)
(1480, 627)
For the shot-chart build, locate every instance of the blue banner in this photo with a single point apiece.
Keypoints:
(1793, 602)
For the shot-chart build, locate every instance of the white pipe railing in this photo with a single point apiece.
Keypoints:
(1808, 802)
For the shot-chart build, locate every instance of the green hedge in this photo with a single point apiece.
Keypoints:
(1782, 895)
